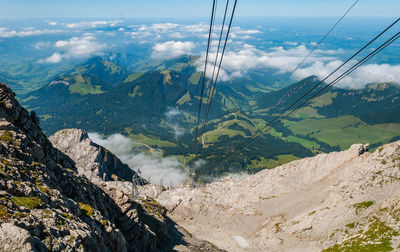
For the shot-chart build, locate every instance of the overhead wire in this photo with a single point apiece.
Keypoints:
(270, 126)
(219, 68)
(323, 38)
(349, 71)
(337, 69)
(219, 46)
(212, 91)
(317, 45)
(205, 67)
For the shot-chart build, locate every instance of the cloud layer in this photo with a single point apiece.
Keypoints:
(172, 49)
(26, 32)
(75, 48)
(153, 167)
(321, 63)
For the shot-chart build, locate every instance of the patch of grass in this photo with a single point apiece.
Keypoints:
(195, 78)
(139, 138)
(6, 136)
(153, 207)
(6, 162)
(84, 88)
(184, 99)
(342, 131)
(324, 100)
(86, 209)
(351, 225)
(278, 227)
(133, 77)
(28, 202)
(135, 92)
(306, 143)
(377, 238)
(4, 215)
(43, 189)
(67, 216)
(362, 205)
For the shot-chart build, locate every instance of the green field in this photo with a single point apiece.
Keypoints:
(306, 143)
(153, 142)
(344, 131)
(272, 163)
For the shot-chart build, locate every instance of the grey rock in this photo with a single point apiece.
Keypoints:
(92, 160)
(47, 205)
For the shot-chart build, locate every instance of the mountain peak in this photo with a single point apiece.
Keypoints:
(92, 160)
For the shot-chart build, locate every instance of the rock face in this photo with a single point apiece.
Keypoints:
(340, 201)
(46, 205)
(92, 160)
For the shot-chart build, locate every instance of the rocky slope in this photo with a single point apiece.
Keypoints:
(92, 160)
(340, 201)
(46, 205)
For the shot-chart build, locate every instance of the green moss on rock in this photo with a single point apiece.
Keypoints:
(6, 136)
(86, 209)
(377, 238)
(362, 205)
(28, 202)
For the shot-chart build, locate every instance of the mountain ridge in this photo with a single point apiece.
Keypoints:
(46, 205)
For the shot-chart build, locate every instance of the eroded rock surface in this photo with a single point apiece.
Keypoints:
(340, 201)
(46, 205)
(92, 160)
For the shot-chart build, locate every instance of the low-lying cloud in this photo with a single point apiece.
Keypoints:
(26, 32)
(76, 47)
(172, 49)
(92, 24)
(153, 167)
(283, 61)
(171, 116)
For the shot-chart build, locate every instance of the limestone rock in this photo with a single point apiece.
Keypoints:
(92, 160)
(46, 205)
(342, 200)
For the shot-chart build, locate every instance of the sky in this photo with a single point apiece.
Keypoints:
(20, 9)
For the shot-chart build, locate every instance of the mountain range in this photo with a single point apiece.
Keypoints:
(101, 96)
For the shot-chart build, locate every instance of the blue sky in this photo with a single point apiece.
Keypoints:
(190, 8)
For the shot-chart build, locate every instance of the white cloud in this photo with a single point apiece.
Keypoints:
(92, 24)
(53, 23)
(172, 120)
(248, 32)
(172, 49)
(55, 58)
(152, 166)
(41, 45)
(75, 48)
(180, 31)
(291, 43)
(26, 32)
(320, 63)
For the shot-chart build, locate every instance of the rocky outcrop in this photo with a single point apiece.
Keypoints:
(92, 160)
(342, 201)
(46, 205)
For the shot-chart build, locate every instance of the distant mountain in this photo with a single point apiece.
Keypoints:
(102, 96)
(334, 102)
